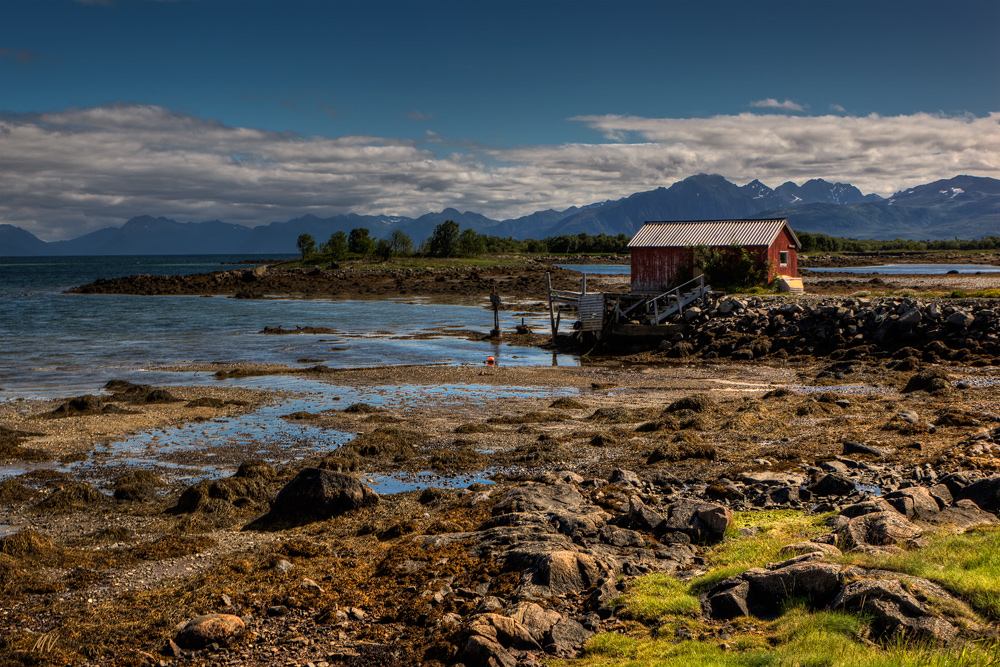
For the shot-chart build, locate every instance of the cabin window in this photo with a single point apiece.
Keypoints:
(783, 258)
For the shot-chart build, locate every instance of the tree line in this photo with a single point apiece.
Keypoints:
(826, 243)
(449, 240)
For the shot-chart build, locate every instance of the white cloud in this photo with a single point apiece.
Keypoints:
(771, 103)
(836, 108)
(66, 173)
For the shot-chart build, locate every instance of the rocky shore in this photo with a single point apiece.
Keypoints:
(352, 282)
(778, 461)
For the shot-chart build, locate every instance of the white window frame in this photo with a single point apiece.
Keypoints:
(783, 258)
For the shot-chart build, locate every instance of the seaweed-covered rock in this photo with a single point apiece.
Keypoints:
(210, 629)
(932, 379)
(315, 494)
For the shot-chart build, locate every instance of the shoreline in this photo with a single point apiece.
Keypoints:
(580, 476)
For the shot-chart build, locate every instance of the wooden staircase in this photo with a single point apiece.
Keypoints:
(658, 308)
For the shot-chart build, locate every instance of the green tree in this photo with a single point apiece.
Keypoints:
(444, 241)
(471, 243)
(306, 245)
(383, 249)
(536, 246)
(336, 247)
(400, 243)
(359, 242)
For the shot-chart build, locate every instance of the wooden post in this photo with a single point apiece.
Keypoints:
(552, 315)
(495, 302)
(583, 287)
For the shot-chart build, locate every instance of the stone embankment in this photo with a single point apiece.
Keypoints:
(966, 331)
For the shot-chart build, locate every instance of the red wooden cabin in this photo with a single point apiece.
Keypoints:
(660, 249)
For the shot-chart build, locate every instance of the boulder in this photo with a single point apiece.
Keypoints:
(534, 497)
(536, 620)
(894, 611)
(964, 514)
(567, 637)
(479, 651)
(697, 519)
(568, 572)
(854, 447)
(503, 630)
(316, 494)
(641, 517)
(210, 629)
(833, 484)
(761, 591)
(878, 529)
(913, 502)
(801, 548)
(985, 493)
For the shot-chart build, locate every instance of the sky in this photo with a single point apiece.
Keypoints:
(254, 111)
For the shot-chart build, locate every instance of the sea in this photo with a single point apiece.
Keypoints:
(55, 345)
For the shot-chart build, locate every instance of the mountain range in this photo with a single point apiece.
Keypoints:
(961, 207)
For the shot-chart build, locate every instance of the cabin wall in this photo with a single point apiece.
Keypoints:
(654, 269)
(783, 242)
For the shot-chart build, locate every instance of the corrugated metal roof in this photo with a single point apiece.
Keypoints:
(709, 233)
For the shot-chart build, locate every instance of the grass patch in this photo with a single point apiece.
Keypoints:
(774, 529)
(798, 639)
(992, 293)
(968, 565)
(657, 596)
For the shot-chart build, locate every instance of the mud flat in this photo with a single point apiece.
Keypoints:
(589, 480)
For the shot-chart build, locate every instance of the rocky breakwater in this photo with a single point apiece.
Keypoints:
(964, 331)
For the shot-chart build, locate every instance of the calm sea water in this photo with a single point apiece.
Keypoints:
(911, 269)
(54, 344)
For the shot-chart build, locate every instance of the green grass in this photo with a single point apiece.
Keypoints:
(799, 638)
(657, 605)
(968, 565)
(657, 596)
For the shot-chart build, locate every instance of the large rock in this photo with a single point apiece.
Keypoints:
(833, 485)
(894, 611)
(568, 572)
(316, 494)
(504, 630)
(699, 520)
(479, 651)
(878, 529)
(567, 637)
(913, 502)
(985, 493)
(539, 498)
(536, 620)
(641, 517)
(964, 514)
(210, 629)
(761, 591)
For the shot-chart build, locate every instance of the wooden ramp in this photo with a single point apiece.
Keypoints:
(656, 308)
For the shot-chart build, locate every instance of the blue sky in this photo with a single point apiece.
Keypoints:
(255, 110)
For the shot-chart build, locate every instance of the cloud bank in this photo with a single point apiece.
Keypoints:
(69, 172)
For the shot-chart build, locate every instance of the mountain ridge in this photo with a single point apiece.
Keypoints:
(962, 206)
